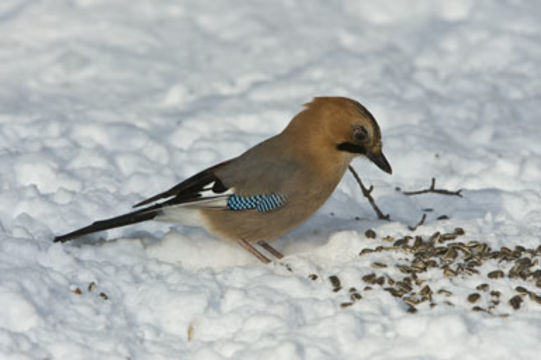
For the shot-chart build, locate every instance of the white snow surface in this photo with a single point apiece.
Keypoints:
(106, 102)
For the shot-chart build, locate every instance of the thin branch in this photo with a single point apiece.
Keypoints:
(432, 189)
(421, 222)
(367, 194)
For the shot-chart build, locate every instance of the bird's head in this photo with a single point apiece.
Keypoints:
(346, 126)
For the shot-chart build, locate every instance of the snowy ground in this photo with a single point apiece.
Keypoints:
(104, 103)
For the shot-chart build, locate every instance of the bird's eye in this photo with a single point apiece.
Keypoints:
(360, 134)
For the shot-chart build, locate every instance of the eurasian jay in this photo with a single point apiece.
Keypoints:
(272, 187)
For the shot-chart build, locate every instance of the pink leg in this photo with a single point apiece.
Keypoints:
(270, 249)
(247, 246)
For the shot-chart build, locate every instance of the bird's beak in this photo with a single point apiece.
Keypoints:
(380, 160)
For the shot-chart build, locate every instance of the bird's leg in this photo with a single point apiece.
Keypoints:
(265, 245)
(246, 245)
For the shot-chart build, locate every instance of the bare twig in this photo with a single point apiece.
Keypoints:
(421, 222)
(432, 189)
(367, 194)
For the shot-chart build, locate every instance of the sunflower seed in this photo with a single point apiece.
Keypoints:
(482, 287)
(473, 298)
(496, 274)
(335, 282)
(515, 302)
(369, 278)
(445, 292)
(521, 290)
(371, 234)
(366, 251)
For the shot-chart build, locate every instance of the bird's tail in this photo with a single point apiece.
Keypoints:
(118, 221)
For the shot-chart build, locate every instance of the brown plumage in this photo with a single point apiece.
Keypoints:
(303, 165)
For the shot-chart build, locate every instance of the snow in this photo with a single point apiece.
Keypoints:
(104, 103)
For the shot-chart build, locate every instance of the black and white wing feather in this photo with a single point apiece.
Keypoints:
(204, 189)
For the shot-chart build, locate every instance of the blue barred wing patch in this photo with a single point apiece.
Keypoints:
(261, 203)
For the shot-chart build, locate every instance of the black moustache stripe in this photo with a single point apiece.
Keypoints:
(352, 148)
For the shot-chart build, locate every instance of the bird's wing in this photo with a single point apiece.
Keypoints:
(204, 189)
(229, 186)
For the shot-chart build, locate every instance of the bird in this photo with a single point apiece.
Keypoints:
(272, 187)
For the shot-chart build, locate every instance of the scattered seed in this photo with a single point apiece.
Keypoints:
(450, 254)
(473, 298)
(524, 262)
(535, 297)
(367, 288)
(522, 291)
(370, 278)
(402, 286)
(426, 292)
(401, 242)
(313, 277)
(443, 217)
(478, 308)
(515, 302)
(371, 234)
(91, 286)
(448, 273)
(419, 265)
(411, 310)
(411, 301)
(454, 258)
(496, 274)
(482, 287)
(394, 292)
(104, 296)
(77, 291)
(405, 269)
(448, 236)
(445, 292)
(345, 304)
(366, 251)
(435, 238)
(335, 282)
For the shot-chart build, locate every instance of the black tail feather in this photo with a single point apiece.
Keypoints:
(118, 221)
